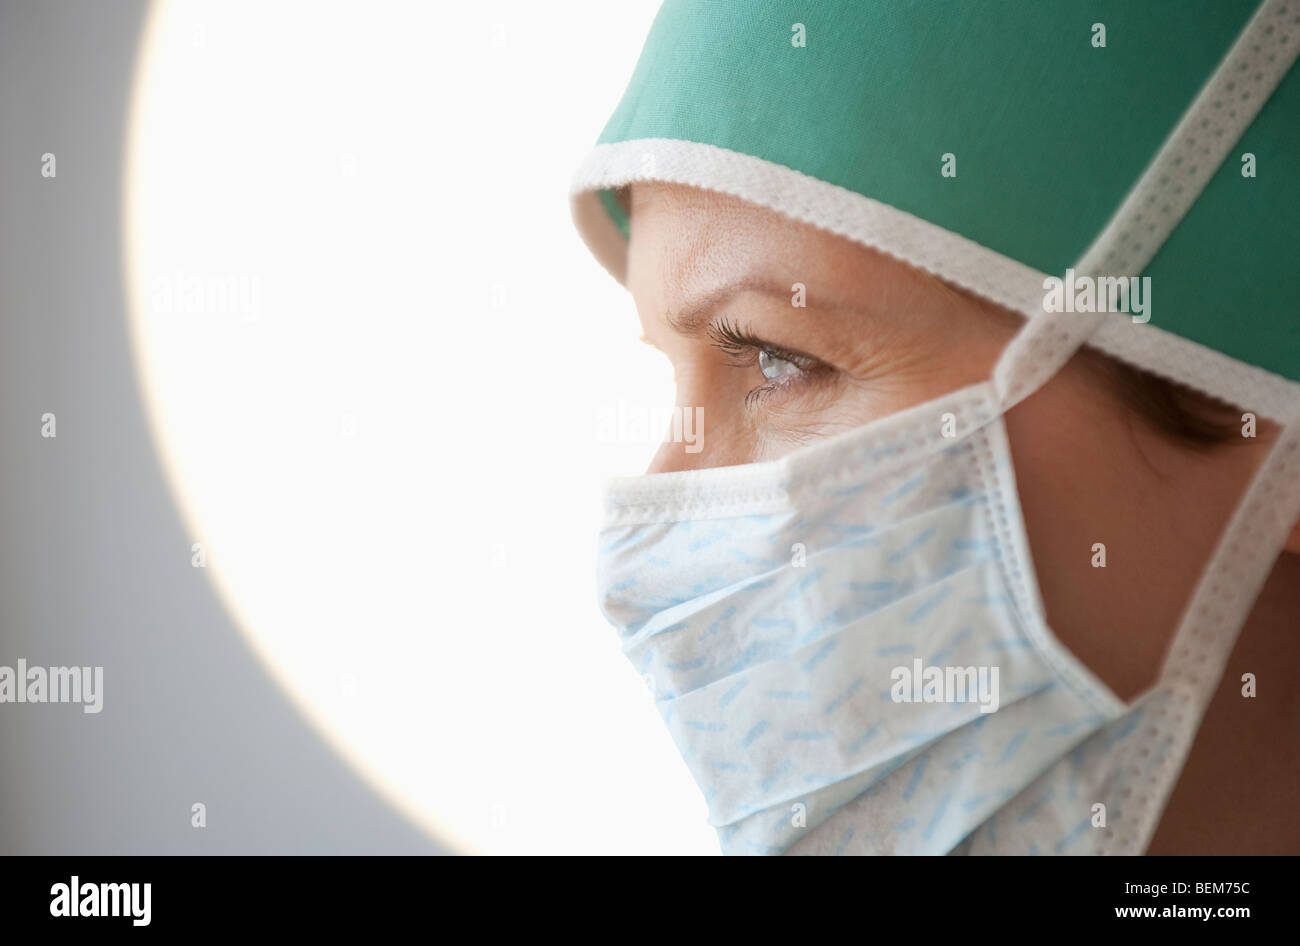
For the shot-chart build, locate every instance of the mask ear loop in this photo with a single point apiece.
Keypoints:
(1165, 191)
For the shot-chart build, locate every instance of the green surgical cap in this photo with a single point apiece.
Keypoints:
(998, 143)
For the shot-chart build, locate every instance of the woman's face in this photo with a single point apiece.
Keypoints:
(781, 333)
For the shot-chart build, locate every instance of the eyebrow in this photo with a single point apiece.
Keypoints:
(695, 315)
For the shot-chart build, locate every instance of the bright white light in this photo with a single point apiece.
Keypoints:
(372, 350)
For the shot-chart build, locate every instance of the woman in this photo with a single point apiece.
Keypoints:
(993, 542)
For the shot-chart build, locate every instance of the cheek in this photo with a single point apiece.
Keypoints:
(839, 404)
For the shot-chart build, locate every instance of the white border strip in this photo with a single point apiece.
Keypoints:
(922, 244)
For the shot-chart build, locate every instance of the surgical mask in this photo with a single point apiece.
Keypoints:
(848, 644)
(849, 648)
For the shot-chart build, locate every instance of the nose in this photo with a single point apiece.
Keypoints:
(669, 458)
(683, 444)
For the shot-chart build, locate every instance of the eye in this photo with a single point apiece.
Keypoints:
(774, 367)
(784, 371)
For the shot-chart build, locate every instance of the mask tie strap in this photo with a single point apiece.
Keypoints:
(1198, 655)
(1165, 191)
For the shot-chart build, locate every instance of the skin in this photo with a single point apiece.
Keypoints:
(878, 336)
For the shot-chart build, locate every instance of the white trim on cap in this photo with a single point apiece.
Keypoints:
(807, 199)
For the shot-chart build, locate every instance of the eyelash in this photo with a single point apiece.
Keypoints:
(739, 343)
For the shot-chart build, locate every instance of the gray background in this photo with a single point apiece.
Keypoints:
(94, 562)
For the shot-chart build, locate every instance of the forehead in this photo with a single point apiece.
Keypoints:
(681, 235)
(686, 241)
